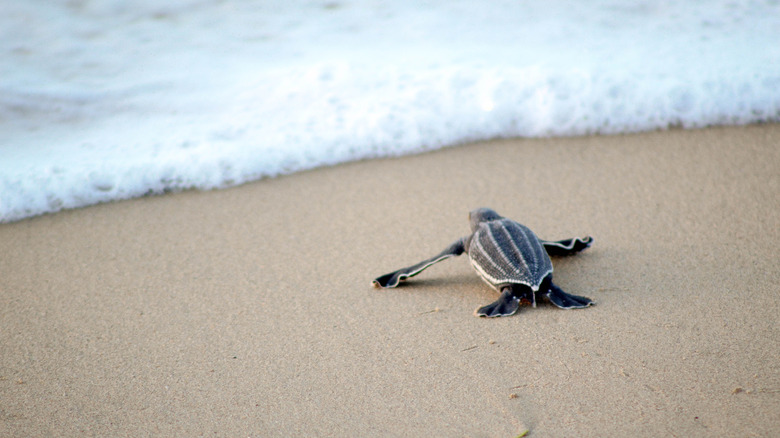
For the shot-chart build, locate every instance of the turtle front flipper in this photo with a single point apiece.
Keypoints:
(392, 279)
(567, 246)
(506, 305)
(565, 300)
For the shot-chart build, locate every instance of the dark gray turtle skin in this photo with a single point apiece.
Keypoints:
(510, 258)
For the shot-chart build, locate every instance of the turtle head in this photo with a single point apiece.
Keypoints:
(480, 215)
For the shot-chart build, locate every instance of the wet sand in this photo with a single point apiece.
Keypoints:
(250, 311)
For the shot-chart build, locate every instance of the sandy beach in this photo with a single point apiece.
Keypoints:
(250, 312)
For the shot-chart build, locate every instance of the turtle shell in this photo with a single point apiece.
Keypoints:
(506, 252)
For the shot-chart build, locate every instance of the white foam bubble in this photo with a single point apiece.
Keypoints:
(109, 100)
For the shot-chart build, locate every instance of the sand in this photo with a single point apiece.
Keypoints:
(249, 311)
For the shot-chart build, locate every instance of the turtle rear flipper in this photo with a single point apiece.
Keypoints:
(392, 279)
(567, 301)
(567, 246)
(506, 305)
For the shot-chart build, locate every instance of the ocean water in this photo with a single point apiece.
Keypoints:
(111, 99)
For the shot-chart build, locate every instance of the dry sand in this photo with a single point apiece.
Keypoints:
(249, 311)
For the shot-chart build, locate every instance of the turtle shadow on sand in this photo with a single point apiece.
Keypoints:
(510, 258)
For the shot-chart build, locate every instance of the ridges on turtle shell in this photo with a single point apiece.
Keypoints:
(506, 252)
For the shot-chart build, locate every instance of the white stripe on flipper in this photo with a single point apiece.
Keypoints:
(405, 276)
(559, 245)
(413, 273)
(566, 247)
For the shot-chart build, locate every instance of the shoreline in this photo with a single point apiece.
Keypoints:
(249, 310)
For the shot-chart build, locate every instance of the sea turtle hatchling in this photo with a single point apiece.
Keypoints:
(510, 258)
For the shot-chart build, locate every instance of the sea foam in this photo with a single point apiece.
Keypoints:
(111, 99)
